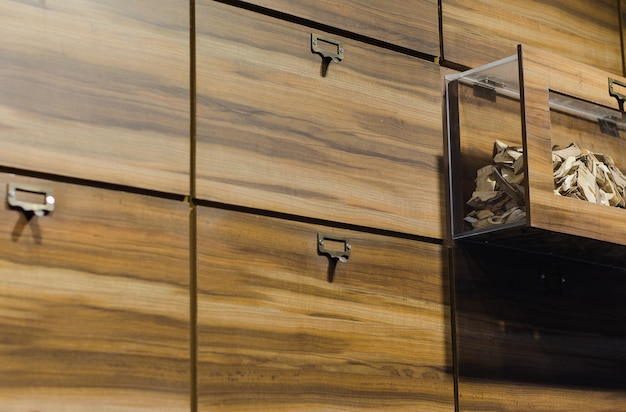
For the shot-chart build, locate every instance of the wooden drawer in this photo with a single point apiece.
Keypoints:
(411, 24)
(97, 90)
(362, 145)
(95, 301)
(538, 332)
(275, 334)
(560, 104)
(480, 32)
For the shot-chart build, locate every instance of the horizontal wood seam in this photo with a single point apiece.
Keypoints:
(316, 221)
(94, 183)
(330, 29)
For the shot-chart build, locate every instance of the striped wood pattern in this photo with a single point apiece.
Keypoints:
(411, 24)
(477, 32)
(97, 89)
(94, 303)
(275, 334)
(362, 145)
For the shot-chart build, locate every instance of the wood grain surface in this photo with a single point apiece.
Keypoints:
(538, 332)
(477, 32)
(97, 89)
(544, 71)
(94, 303)
(362, 145)
(275, 334)
(411, 24)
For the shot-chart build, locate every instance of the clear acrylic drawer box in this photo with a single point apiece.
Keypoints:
(536, 155)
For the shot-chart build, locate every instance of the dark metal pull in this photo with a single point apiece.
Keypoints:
(336, 248)
(340, 253)
(38, 209)
(334, 55)
(317, 41)
(619, 96)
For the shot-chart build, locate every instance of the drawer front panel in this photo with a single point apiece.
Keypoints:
(279, 329)
(537, 332)
(411, 24)
(95, 300)
(488, 30)
(362, 145)
(97, 90)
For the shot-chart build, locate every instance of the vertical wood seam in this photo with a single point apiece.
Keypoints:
(193, 289)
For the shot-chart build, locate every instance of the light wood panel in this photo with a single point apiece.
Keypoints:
(362, 145)
(97, 89)
(275, 334)
(543, 72)
(94, 302)
(477, 32)
(412, 24)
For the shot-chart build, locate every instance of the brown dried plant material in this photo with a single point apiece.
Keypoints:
(584, 175)
(578, 173)
(499, 194)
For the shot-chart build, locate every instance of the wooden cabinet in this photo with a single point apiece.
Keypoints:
(94, 311)
(97, 90)
(361, 145)
(411, 24)
(280, 329)
(481, 31)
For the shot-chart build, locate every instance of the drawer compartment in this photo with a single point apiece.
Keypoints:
(588, 32)
(95, 299)
(564, 192)
(410, 24)
(280, 326)
(97, 90)
(361, 145)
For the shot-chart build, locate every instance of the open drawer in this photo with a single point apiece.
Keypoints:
(536, 152)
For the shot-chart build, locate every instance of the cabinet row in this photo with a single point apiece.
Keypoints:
(110, 299)
(288, 117)
(101, 308)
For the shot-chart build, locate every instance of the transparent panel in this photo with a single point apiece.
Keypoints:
(587, 139)
(485, 146)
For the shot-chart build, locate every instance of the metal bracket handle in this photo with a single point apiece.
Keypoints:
(619, 96)
(317, 40)
(341, 255)
(38, 209)
(336, 248)
(335, 55)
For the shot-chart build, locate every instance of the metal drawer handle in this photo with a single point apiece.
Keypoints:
(336, 248)
(342, 253)
(38, 209)
(317, 41)
(335, 55)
